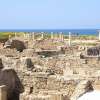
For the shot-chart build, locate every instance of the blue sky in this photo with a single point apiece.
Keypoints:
(49, 14)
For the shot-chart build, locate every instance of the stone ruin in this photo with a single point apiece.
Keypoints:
(15, 43)
(93, 51)
(43, 73)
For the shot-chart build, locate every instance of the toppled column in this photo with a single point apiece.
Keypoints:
(3, 92)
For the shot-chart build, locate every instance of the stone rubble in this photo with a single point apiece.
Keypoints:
(49, 71)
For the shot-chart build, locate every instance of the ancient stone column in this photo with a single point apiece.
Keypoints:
(99, 34)
(24, 35)
(60, 36)
(3, 92)
(52, 36)
(33, 35)
(69, 38)
(28, 35)
(56, 36)
(15, 34)
(9, 36)
(42, 35)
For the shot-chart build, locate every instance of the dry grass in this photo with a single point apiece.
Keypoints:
(5, 35)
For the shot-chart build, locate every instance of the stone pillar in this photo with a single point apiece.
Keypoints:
(15, 34)
(9, 37)
(42, 35)
(52, 36)
(56, 36)
(3, 92)
(69, 38)
(25, 35)
(28, 36)
(60, 36)
(99, 34)
(33, 35)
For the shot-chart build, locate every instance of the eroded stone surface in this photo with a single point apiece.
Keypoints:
(63, 75)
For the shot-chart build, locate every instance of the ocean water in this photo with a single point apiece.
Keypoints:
(64, 31)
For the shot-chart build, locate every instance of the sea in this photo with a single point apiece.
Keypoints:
(64, 31)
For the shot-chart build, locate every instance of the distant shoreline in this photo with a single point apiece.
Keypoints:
(64, 31)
